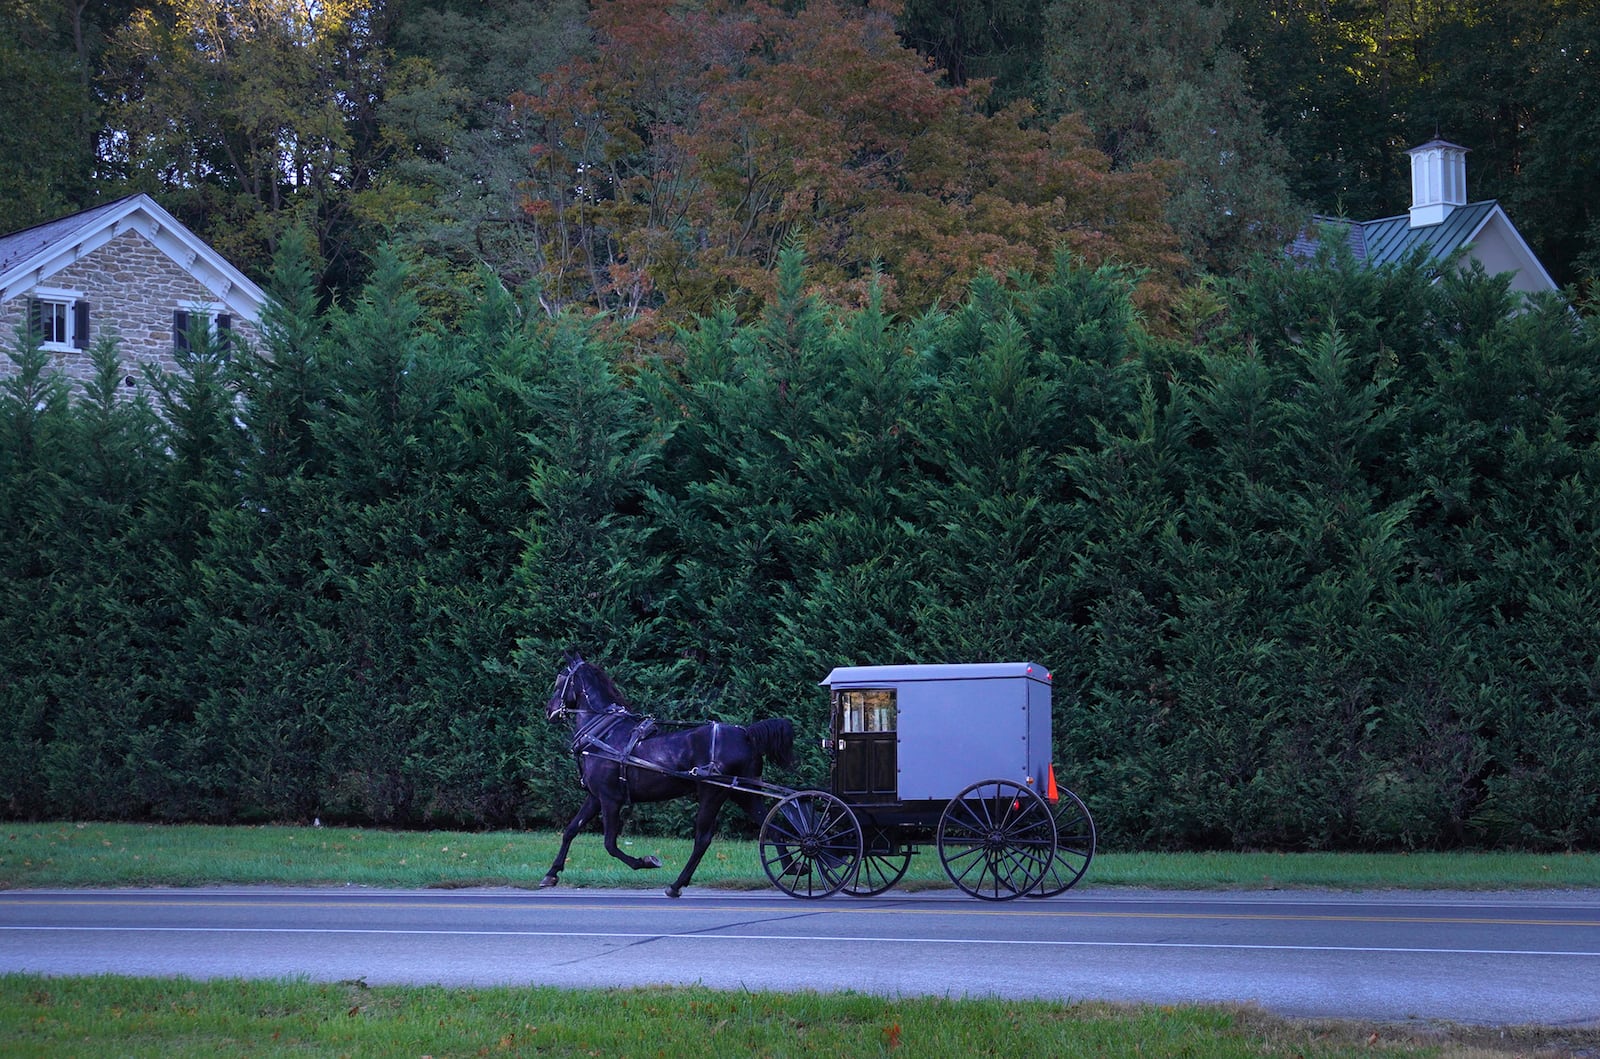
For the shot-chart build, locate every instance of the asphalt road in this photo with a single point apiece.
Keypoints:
(1496, 959)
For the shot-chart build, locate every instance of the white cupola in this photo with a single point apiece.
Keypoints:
(1438, 181)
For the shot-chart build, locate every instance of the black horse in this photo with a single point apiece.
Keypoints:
(605, 732)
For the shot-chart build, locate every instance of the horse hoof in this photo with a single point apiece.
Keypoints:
(547, 882)
(673, 891)
(650, 862)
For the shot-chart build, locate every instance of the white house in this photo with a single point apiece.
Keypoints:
(1442, 220)
(127, 269)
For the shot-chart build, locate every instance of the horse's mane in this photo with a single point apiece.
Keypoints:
(608, 687)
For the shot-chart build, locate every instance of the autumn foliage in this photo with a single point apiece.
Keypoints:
(670, 167)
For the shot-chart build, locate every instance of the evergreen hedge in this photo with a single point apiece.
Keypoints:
(1322, 574)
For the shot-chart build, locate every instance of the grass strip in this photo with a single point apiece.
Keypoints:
(41, 855)
(173, 1018)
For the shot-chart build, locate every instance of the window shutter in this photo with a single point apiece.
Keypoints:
(180, 330)
(225, 330)
(36, 318)
(80, 324)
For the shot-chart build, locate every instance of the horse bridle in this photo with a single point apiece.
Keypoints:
(563, 686)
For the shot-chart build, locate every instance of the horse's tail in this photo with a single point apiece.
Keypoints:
(773, 738)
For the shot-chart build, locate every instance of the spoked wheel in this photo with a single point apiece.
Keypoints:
(883, 863)
(810, 844)
(1074, 846)
(996, 839)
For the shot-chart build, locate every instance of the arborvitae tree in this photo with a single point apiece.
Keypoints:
(1031, 381)
(266, 590)
(484, 762)
(1349, 547)
(746, 402)
(861, 549)
(1000, 543)
(35, 446)
(1115, 703)
(113, 750)
(385, 512)
(284, 385)
(203, 434)
(1502, 448)
(590, 576)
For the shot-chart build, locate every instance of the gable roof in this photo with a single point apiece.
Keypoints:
(1391, 239)
(30, 257)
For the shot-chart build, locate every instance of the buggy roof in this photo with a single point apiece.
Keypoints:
(879, 675)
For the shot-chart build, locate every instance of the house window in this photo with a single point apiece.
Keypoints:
(189, 324)
(60, 319)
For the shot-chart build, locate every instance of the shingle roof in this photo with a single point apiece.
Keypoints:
(24, 244)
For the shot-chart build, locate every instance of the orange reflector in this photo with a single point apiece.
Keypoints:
(1051, 794)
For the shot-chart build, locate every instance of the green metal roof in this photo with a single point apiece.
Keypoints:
(1392, 238)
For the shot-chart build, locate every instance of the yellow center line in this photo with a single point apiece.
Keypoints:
(535, 904)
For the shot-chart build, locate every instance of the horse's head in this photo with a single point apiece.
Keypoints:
(568, 695)
(583, 686)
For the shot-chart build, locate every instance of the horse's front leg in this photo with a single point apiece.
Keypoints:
(586, 812)
(705, 824)
(611, 814)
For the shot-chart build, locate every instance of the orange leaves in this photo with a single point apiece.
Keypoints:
(731, 129)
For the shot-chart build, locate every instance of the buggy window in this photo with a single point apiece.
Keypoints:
(866, 710)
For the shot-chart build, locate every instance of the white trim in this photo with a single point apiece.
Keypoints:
(141, 214)
(65, 300)
(1537, 267)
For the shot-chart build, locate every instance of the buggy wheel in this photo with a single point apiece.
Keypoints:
(996, 840)
(1074, 846)
(810, 844)
(883, 863)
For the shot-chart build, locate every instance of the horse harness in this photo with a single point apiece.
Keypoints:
(590, 737)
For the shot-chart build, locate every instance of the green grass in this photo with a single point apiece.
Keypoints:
(176, 1018)
(96, 854)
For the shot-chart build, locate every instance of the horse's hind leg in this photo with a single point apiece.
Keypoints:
(705, 824)
(586, 812)
(611, 814)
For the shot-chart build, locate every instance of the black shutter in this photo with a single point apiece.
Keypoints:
(225, 330)
(80, 324)
(180, 330)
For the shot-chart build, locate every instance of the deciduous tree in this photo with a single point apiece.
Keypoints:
(250, 116)
(1160, 81)
(669, 170)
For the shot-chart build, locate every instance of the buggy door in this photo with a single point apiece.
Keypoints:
(865, 768)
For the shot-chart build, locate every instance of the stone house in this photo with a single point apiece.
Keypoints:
(129, 270)
(1442, 221)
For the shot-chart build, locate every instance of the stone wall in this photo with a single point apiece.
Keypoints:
(132, 289)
